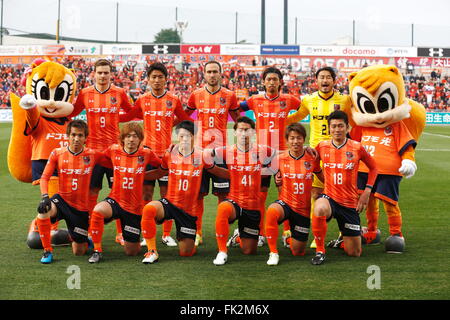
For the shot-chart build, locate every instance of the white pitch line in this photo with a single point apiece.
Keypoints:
(437, 135)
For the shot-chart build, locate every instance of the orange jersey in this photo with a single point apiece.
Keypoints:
(271, 115)
(385, 145)
(340, 167)
(102, 111)
(49, 134)
(185, 178)
(213, 109)
(297, 177)
(158, 114)
(74, 173)
(245, 173)
(129, 173)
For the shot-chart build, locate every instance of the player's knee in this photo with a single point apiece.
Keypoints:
(79, 249)
(355, 252)
(133, 251)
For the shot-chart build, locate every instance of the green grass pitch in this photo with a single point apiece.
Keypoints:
(421, 272)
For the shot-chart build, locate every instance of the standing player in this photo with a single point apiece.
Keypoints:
(124, 203)
(318, 106)
(158, 108)
(102, 102)
(246, 162)
(271, 111)
(74, 165)
(213, 103)
(340, 157)
(184, 164)
(295, 169)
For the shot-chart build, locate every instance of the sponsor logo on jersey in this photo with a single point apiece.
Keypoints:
(307, 165)
(388, 131)
(349, 155)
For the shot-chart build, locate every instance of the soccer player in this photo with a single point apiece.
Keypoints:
(184, 165)
(158, 108)
(102, 102)
(74, 165)
(246, 162)
(295, 169)
(214, 103)
(318, 106)
(340, 157)
(271, 111)
(124, 203)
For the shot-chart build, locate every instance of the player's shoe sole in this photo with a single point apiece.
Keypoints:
(232, 241)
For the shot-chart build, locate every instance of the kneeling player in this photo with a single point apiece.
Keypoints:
(129, 160)
(340, 157)
(184, 164)
(296, 168)
(246, 162)
(74, 165)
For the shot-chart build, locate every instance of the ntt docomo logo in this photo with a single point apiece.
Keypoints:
(359, 51)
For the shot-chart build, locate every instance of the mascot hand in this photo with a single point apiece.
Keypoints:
(408, 168)
(28, 101)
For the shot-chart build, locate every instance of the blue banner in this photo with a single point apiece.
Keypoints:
(280, 50)
(438, 117)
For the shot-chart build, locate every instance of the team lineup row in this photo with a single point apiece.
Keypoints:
(240, 173)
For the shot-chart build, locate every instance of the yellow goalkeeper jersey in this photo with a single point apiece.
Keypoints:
(318, 109)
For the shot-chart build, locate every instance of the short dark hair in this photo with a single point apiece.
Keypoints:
(272, 70)
(157, 66)
(338, 115)
(215, 62)
(329, 69)
(296, 127)
(187, 125)
(80, 124)
(103, 62)
(244, 119)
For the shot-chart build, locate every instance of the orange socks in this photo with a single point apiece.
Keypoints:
(148, 226)
(199, 210)
(97, 227)
(394, 218)
(167, 227)
(372, 214)
(263, 197)
(224, 211)
(319, 229)
(272, 217)
(44, 227)
(118, 226)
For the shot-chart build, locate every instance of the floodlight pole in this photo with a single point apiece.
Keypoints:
(1, 25)
(263, 21)
(236, 30)
(117, 22)
(58, 22)
(285, 22)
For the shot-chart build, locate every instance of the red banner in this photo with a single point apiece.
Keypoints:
(200, 48)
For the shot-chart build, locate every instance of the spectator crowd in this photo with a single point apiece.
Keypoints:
(432, 91)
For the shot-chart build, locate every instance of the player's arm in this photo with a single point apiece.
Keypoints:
(181, 114)
(234, 108)
(210, 157)
(131, 111)
(191, 107)
(270, 163)
(45, 204)
(298, 115)
(78, 106)
(104, 158)
(370, 163)
(155, 173)
(245, 105)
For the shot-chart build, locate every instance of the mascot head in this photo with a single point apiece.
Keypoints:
(378, 96)
(53, 86)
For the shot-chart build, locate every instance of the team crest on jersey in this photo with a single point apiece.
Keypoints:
(113, 100)
(168, 104)
(87, 160)
(337, 107)
(388, 131)
(283, 104)
(196, 162)
(349, 155)
(255, 157)
(307, 165)
(222, 101)
(141, 159)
